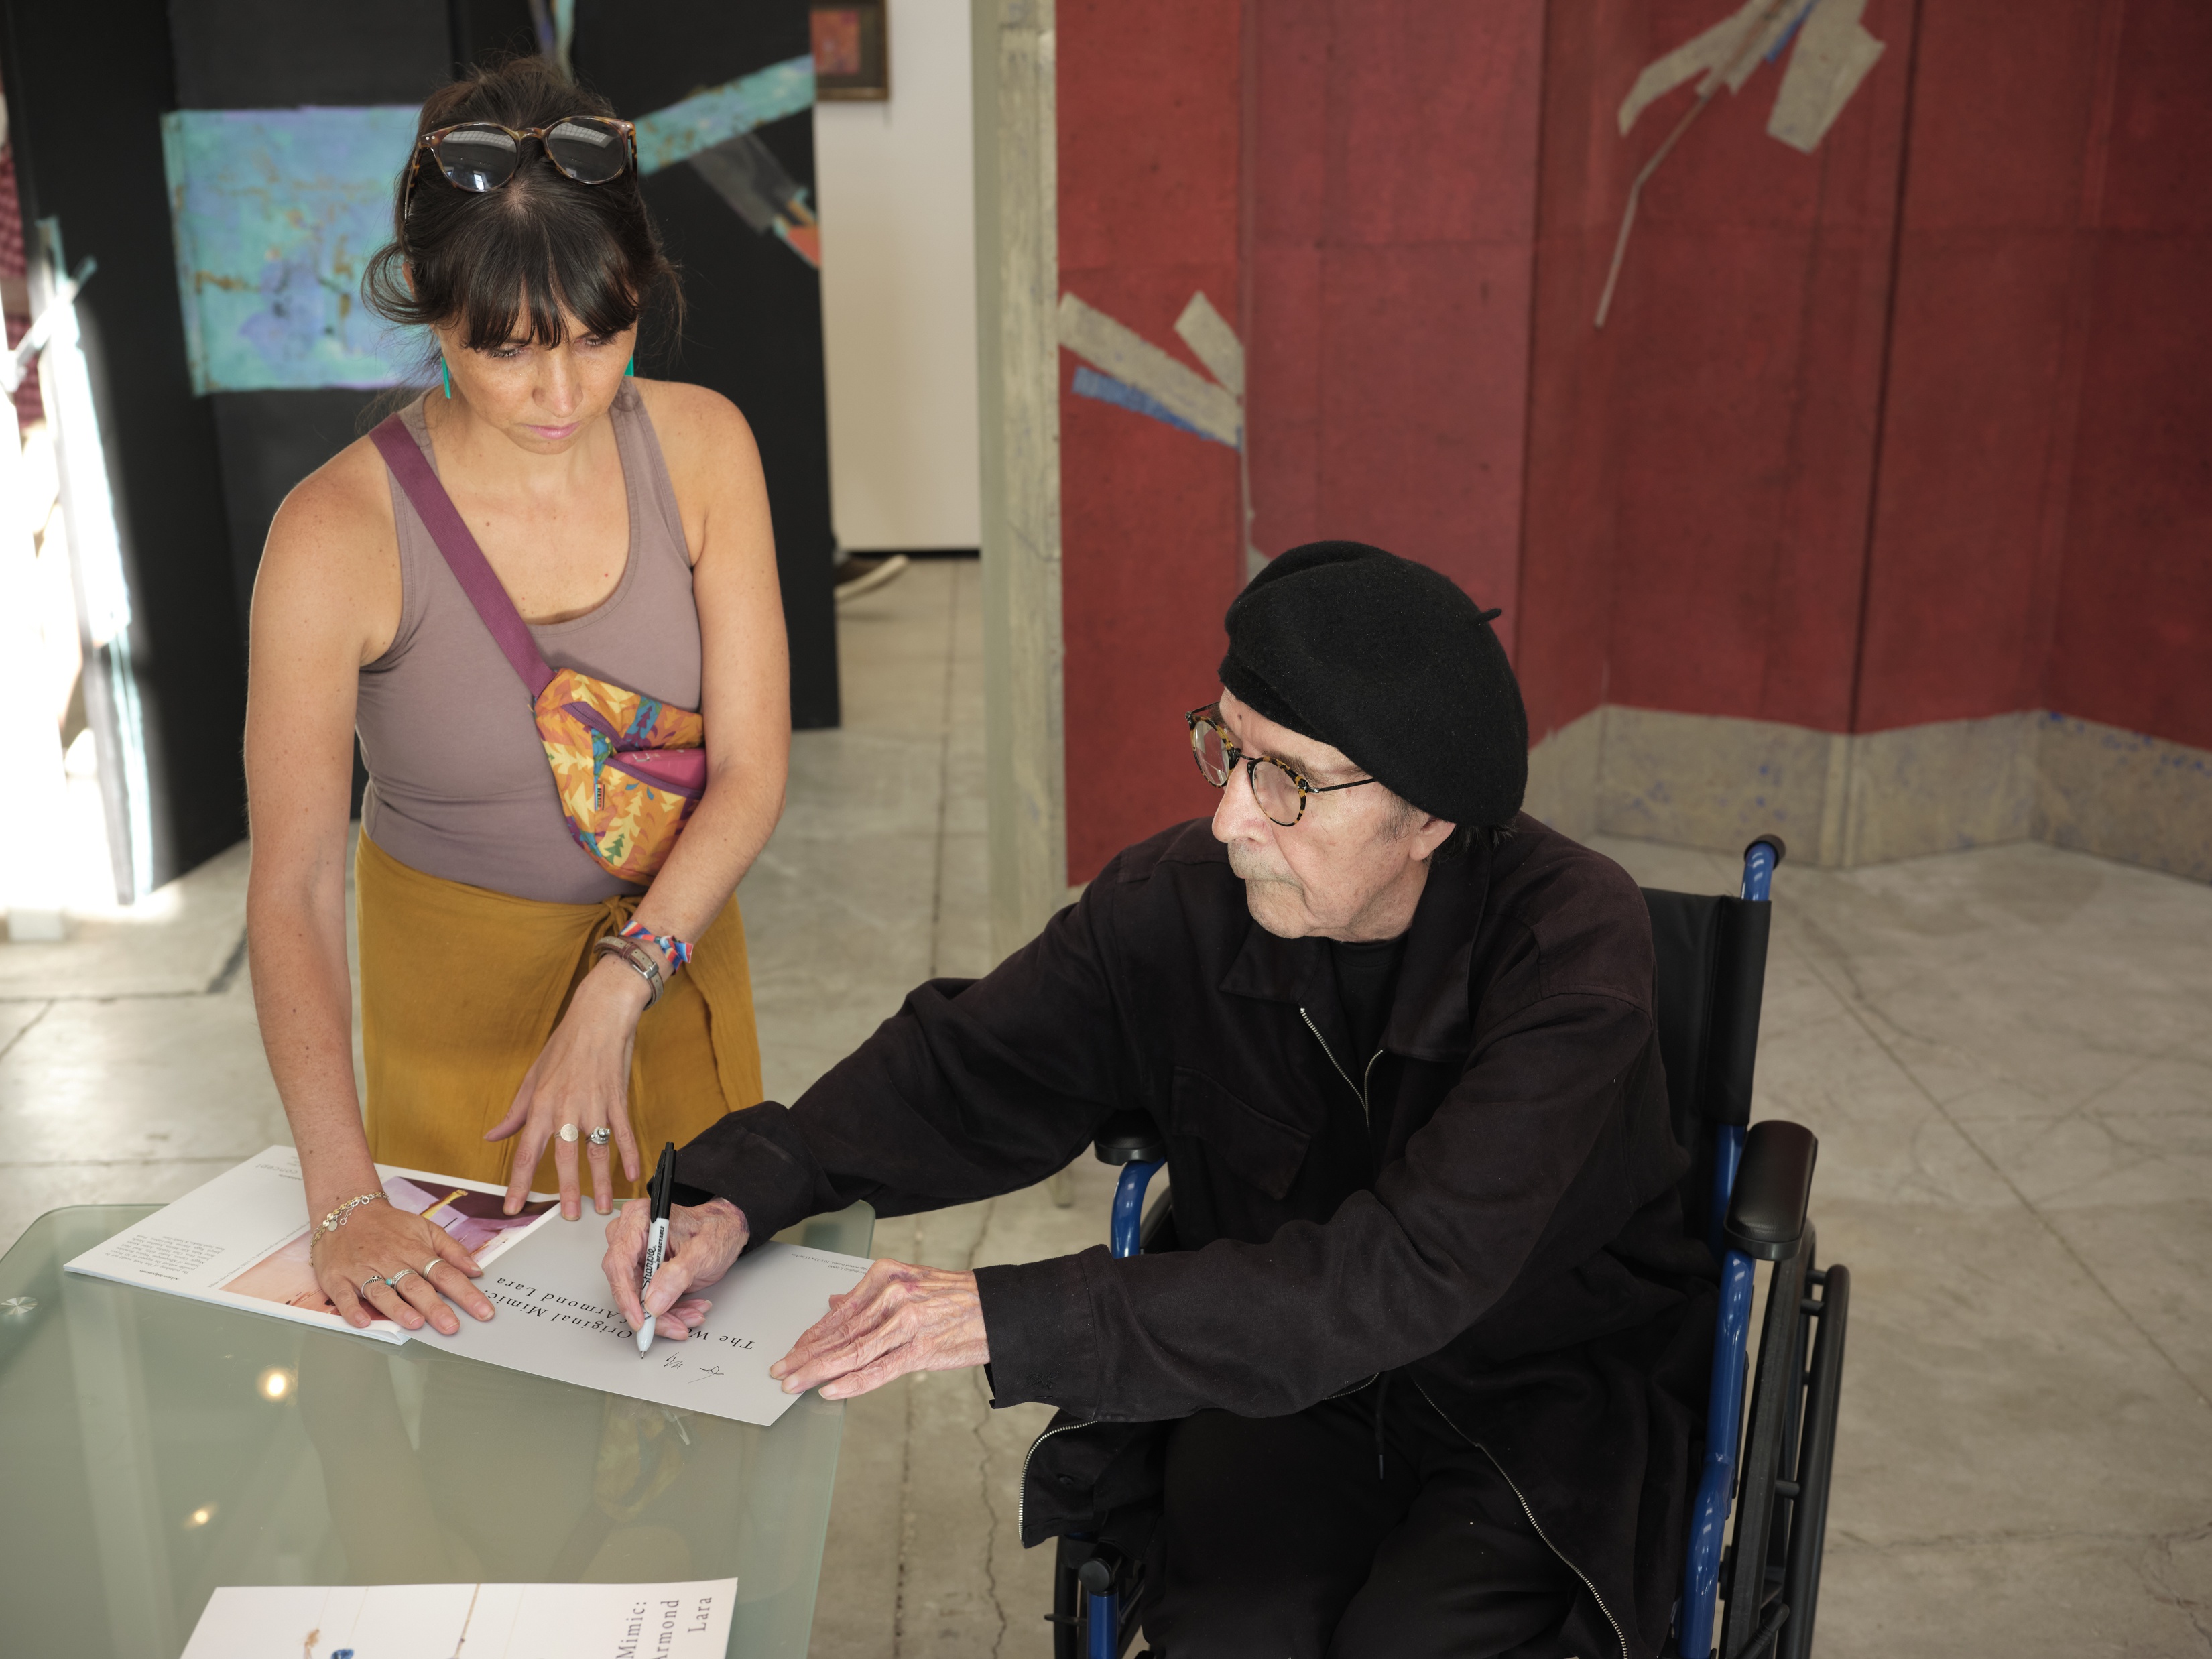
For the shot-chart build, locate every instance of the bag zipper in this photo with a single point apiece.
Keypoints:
(1535, 1525)
(614, 764)
(594, 721)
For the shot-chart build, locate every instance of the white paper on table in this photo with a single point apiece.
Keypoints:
(250, 1224)
(686, 1620)
(557, 1319)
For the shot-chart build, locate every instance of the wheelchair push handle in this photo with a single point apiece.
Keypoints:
(1759, 861)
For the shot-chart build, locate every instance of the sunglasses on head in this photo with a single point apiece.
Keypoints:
(482, 156)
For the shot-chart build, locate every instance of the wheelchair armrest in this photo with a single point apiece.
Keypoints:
(1129, 1138)
(1773, 1188)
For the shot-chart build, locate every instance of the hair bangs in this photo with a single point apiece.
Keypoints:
(519, 292)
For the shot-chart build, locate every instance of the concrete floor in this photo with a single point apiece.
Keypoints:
(2007, 1055)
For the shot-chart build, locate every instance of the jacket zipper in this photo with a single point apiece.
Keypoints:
(1022, 1491)
(1365, 1077)
(1534, 1523)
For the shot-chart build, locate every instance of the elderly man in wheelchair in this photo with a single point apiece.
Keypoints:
(1424, 1370)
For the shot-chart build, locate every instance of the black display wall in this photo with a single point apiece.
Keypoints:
(274, 54)
(197, 480)
(753, 331)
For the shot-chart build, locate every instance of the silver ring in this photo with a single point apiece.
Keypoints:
(600, 1136)
(569, 1131)
(425, 1268)
(394, 1279)
(374, 1278)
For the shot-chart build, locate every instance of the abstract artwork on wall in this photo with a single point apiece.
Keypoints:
(720, 113)
(276, 212)
(1834, 54)
(852, 49)
(1128, 370)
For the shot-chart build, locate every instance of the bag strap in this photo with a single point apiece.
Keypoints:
(463, 557)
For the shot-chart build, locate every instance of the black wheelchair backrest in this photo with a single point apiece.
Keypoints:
(1709, 969)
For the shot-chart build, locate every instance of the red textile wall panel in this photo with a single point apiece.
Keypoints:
(1749, 319)
(2133, 633)
(1565, 587)
(1151, 553)
(1978, 421)
(1393, 209)
(1285, 187)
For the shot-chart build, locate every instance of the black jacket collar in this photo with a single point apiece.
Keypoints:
(1429, 1017)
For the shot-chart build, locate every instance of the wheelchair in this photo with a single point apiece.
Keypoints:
(1770, 1440)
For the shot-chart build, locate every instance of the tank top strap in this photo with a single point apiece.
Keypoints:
(645, 473)
(416, 546)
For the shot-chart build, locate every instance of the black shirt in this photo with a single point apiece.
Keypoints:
(1366, 975)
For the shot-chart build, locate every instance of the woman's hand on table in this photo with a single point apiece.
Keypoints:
(378, 1243)
(580, 1078)
(702, 1242)
(898, 1318)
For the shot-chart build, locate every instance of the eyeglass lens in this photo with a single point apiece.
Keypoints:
(1275, 790)
(586, 151)
(477, 158)
(1213, 754)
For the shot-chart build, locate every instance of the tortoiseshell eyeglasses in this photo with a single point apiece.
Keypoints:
(1279, 790)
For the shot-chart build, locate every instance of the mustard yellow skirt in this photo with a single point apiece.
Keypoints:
(461, 986)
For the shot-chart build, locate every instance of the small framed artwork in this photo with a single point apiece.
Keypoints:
(852, 49)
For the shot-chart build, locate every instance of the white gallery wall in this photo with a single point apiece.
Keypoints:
(898, 292)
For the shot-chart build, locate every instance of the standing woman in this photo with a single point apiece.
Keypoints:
(533, 983)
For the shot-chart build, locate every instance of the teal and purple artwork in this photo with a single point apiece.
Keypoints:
(275, 213)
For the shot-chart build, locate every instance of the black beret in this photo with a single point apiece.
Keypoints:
(1388, 661)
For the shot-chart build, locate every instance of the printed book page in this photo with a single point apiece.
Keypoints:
(241, 1241)
(557, 1319)
(688, 1620)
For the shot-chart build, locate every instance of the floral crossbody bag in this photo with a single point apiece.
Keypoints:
(629, 770)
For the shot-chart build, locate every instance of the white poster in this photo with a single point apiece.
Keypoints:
(688, 1620)
(557, 1319)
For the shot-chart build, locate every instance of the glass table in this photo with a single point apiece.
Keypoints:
(152, 1448)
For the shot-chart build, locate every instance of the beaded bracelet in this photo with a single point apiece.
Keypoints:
(677, 952)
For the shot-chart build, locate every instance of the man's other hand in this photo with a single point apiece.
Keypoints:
(898, 1318)
(702, 1243)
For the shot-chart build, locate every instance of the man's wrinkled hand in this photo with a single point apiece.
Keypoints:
(702, 1243)
(898, 1318)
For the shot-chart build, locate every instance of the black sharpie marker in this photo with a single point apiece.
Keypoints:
(660, 1192)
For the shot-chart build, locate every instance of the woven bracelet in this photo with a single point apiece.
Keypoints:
(678, 952)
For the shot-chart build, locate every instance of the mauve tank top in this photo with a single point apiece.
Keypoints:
(458, 782)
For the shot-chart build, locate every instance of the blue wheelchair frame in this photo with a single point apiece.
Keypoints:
(1787, 1459)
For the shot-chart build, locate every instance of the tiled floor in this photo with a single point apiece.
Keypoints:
(2007, 1055)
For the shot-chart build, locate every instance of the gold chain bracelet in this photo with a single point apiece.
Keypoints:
(337, 1219)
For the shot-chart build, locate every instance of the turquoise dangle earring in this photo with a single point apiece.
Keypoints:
(631, 367)
(446, 369)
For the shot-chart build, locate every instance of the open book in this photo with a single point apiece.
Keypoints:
(242, 1239)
